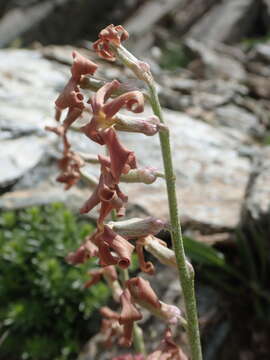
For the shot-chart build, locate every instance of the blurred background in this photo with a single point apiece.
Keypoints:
(211, 60)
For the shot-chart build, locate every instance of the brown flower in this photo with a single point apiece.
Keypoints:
(107, 193)
(143, 295)
(167, 350)
(129, 314)
(110, 35)
(107, 242)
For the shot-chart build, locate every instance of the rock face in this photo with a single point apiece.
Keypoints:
(227, 21)
(257, 204)
(211, 172)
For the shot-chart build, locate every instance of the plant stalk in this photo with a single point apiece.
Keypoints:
(186, 275)
(185, 270)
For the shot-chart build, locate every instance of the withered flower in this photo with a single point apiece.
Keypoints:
(129, 357)
(129, 314)
(87, 250)
(108, 241)
(110, 35)
(107, 193)
(71, 97)
(167, 350)
(143, 295)
(110, 327)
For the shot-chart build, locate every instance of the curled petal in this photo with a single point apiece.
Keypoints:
(167, 350)
(120, 245)
(129, 314)
(114, 34)
(102, 48)
(119, 155)
(95, 278)
(129, 357)
(82, 66)
(145, 266)
(142, 293)
(99, 99)
(70, 96)
(108, 313)
(83, 253)
(133, 101)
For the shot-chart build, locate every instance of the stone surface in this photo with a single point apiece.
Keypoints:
(257, 204)
(228, 21)
(211, 64)
(235, 117)
(18, 156)
(208, 160)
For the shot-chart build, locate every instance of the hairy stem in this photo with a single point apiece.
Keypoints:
(186, 273)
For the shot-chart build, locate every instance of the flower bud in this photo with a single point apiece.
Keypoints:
(148, 126)
(146, 175)
(136, 227)
(158, 249)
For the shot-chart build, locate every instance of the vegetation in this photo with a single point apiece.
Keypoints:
(44, 310)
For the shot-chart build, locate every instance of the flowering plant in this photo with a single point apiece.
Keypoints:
(114, 242)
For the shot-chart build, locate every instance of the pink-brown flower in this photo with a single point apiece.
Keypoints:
(104, 110)
(107, 193)
(129, 314)
(110, 35)
(129, 357)
(107, 242)
(167, 350)
(87, 250)
(144, 295)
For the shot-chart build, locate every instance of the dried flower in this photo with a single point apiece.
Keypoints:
(129, 314)
(110, 35)
(143, 294)
(167, 350)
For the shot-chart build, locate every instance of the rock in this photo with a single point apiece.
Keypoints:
(143, 20)
(259, 86)
(43, 195)
(260, 52)
(233, 116)
(228, 21)
(212, 65)
(256, 207)
(18, 156)
(208, 161)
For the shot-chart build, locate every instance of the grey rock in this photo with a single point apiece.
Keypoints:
(43, 195)
(227, 22)
(235, 117)
(260, 52)
(210, 64)
(207, 159)
(19, 156)
(257, 203)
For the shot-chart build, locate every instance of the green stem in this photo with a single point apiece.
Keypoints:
(186, 273)
(186, 276)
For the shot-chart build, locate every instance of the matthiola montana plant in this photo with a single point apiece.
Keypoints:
(114, 242)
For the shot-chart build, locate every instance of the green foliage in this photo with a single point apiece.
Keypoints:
(241, 272)
(174, 56)
(44, 310)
